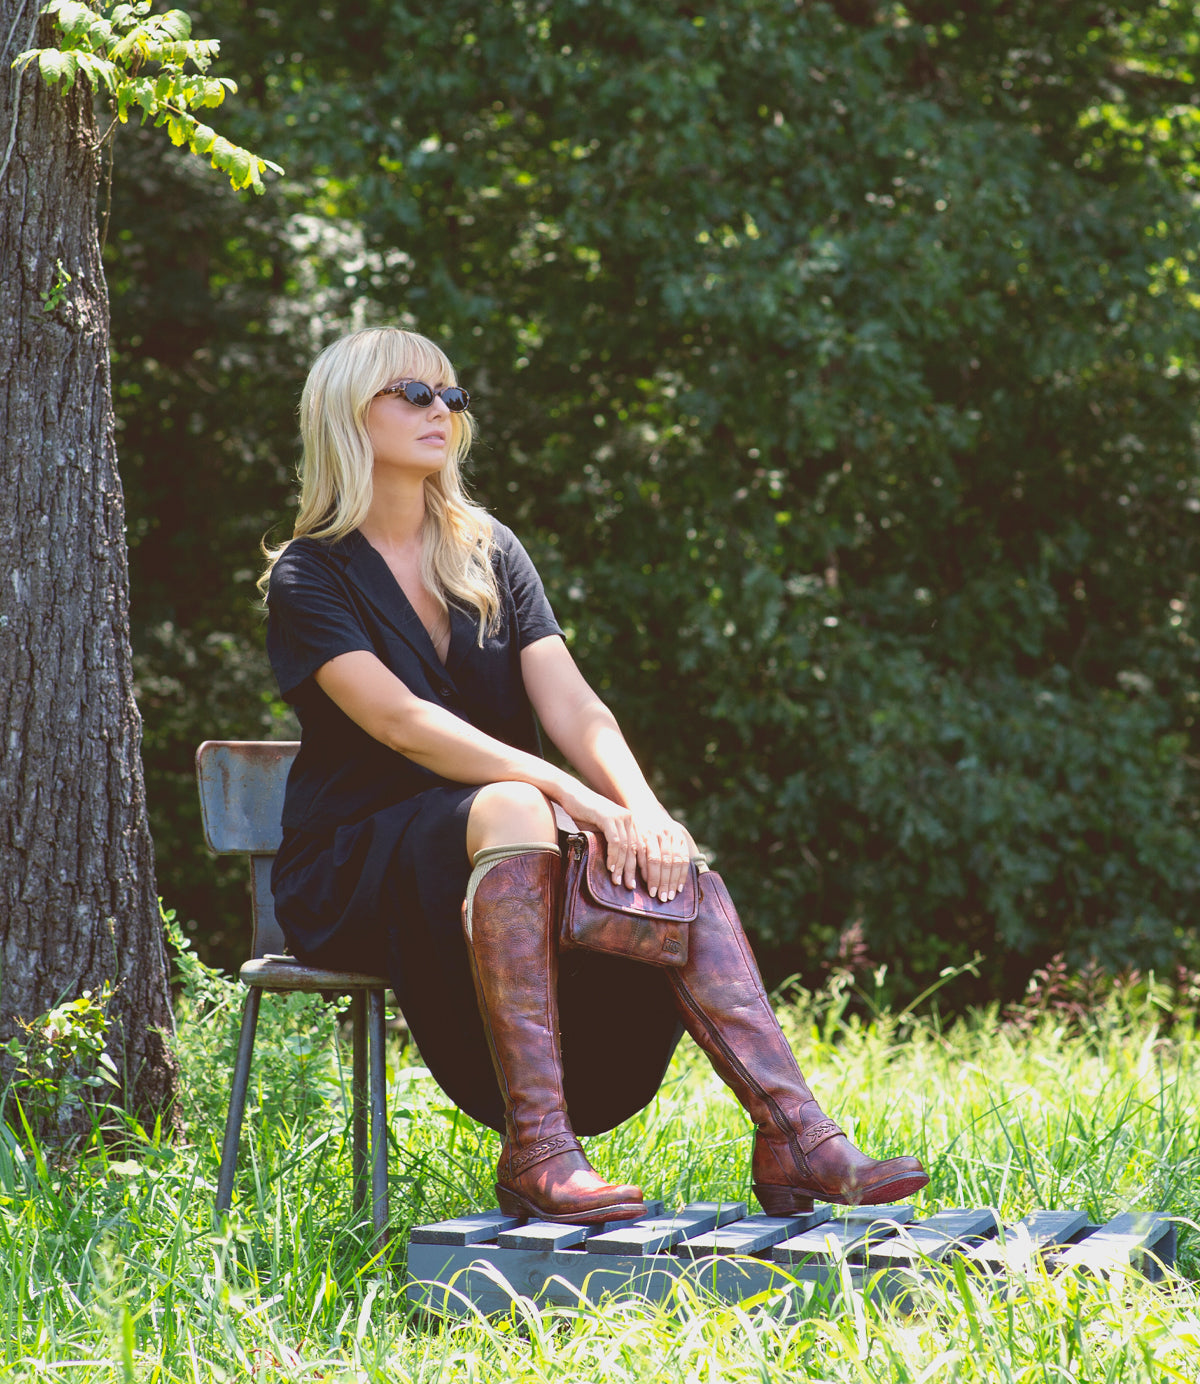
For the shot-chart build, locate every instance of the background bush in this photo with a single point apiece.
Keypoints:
(836, 362)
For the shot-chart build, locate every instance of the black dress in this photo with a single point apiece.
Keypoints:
(373, 867)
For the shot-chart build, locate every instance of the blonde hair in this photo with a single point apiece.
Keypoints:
(336, 467)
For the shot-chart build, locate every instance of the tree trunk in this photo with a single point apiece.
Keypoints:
(77, 898)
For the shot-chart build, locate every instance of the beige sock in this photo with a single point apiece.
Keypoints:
(492, 855)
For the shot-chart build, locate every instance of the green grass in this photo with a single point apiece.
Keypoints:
(113, 1268)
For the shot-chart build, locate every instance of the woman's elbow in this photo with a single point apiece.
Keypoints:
(399, 733)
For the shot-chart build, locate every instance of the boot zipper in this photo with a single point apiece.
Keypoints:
(769, 1101)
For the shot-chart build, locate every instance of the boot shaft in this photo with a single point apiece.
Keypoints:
(725, 1007)
(510, 918)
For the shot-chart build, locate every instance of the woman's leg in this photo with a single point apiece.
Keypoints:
(510, 917)
(800, 1155)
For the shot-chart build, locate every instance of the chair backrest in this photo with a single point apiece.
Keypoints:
(241, 803)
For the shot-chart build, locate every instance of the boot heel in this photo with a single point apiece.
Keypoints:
(782, 1201)
(510, 1204)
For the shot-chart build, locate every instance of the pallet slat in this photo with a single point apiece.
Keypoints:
(843, 1238)
(1018, 1246)
(657, 1233)
(463, 1230)
(542, 1235)
(934, 1238)
(1144, 1239)
(751, 1235)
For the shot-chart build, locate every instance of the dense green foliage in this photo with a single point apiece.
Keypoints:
(837, 362)
(110, 46)
(112, 1266)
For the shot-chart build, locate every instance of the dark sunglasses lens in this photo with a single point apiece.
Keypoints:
(418, 393)
(455, 399)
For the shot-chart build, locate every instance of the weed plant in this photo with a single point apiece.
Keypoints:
(113, 1267)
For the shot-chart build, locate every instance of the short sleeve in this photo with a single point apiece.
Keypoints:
(311, 616)
(535, 618)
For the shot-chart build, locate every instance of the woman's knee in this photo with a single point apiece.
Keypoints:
(505, 814)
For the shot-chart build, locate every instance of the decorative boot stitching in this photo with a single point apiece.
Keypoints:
(538, 1153)
(817, 1134)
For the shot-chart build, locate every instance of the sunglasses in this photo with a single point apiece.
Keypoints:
(421, 395)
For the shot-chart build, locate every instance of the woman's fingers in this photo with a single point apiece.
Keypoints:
(621, 856)
(681, 858)
(650, 863)
(609, 820)
(663, 858)
(650, 844)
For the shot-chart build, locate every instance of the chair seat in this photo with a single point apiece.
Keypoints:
(286, 973)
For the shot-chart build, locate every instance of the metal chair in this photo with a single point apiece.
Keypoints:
(241, 801)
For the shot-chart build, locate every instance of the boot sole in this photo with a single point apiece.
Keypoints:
(790, 1201)
(514, 1204)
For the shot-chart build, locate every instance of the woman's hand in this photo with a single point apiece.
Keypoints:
(645, 840)
(664, 850)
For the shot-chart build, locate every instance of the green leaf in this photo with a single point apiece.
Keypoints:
(134, 44)
(51, 64)
(238, 163)
(100, 33)
(98, 70)
(171, 54)
(214, 90)
(177, 24)
(74, 20)
(144, 91)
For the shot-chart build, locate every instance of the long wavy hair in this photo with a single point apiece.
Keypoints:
(336, 466)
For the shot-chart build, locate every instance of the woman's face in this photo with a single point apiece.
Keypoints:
(407, 438)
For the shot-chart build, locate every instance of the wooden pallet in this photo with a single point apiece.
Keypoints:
(479, 1262)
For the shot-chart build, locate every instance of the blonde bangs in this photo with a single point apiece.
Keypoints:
(337, 465)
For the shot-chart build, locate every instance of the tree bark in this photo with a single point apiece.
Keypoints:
(78, 904)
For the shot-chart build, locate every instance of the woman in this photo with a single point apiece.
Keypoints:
(412, 635)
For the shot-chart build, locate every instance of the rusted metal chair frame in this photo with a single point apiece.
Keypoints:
(241, 801)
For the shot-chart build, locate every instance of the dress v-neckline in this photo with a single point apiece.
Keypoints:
(441, 663)
(429, 639)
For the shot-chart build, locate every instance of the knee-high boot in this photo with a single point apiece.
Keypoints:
(510, 918)
(800, 1155)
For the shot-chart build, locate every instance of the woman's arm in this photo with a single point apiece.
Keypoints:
(586, 732)
(378, 701)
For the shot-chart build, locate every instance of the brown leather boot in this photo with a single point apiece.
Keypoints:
(510, 917)
(800, 1155)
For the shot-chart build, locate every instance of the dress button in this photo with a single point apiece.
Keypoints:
(445, 692)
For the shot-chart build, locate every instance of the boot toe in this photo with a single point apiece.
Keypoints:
(893, 1179)
(834, 1171)
(567, 1189)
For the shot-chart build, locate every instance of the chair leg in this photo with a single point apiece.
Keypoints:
(237, 1098)
(358, 1013)
(379, 1141)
